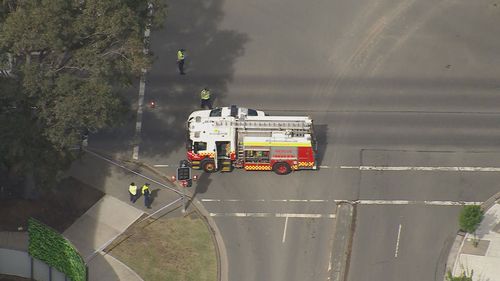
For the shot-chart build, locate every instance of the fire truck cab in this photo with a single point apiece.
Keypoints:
(255, 143)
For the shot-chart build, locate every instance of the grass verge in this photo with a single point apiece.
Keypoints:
(170, 249)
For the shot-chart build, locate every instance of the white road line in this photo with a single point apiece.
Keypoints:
(324, 167)
(383, 202)
(272, 215)
(264, 200)
(358, 202)
(140, 101)
(135, 153)
(407, 202)
(284, 230)
(161, 165)
(423, 168)
(397, 242)
(138, 124)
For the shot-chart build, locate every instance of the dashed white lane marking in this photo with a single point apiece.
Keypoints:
(397, 242)
(324, 167)
(423, 168)
(273, 215)
(161, 165)
(284, 230)
(358, 202)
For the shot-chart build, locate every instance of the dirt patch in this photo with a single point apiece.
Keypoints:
(58, 208)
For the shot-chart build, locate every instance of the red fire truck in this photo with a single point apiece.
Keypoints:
(255, 143)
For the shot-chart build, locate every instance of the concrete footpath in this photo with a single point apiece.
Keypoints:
(89, 234)
(114, 213)
(110, 216)
(483, 260)
(96, 229)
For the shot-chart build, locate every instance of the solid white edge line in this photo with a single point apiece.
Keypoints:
(360, 202)
(264, 200)
(284, 230)
(423, 168)
(272, 215)
(138, 124)
(397, 242)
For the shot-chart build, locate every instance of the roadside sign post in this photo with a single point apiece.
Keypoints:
(184, 201)
(184, 177)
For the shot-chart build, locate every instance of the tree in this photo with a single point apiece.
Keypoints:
(72, 58)
(470, 218)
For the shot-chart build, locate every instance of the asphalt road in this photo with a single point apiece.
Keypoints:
(396, 83)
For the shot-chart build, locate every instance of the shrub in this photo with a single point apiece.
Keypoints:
(470, 218)
(52, 248)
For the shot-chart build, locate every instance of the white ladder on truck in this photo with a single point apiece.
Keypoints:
(265, 125)
(297, 125)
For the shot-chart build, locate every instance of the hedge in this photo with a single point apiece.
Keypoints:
(52, 248)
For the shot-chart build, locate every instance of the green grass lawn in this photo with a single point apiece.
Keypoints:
(170, 249)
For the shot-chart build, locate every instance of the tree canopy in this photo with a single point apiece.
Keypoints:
(70, 61)
(470, 218)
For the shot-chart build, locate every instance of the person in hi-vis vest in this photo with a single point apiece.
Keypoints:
(180, 60)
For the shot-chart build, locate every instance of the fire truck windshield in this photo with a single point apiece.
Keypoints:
(199, 146)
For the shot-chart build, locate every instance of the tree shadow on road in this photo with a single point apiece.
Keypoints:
(210, 56)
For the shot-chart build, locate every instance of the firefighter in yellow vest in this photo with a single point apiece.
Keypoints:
(132, 190)
(205, 98)
(147, 195)
(180, 60)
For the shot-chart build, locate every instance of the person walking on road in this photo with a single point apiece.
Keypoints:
(147, 195)
(205, 98)
(180, 60)
(132, 190)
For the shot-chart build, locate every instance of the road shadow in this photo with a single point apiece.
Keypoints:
(154, 194)
(210, 55)
(320, 131)
(201, 187)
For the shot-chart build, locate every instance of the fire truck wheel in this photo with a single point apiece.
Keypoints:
(282, 168)
(208, 166)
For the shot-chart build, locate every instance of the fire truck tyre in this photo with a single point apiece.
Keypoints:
(208, 166)
(282, 168)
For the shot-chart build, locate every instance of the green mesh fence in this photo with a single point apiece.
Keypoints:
(52, 248)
